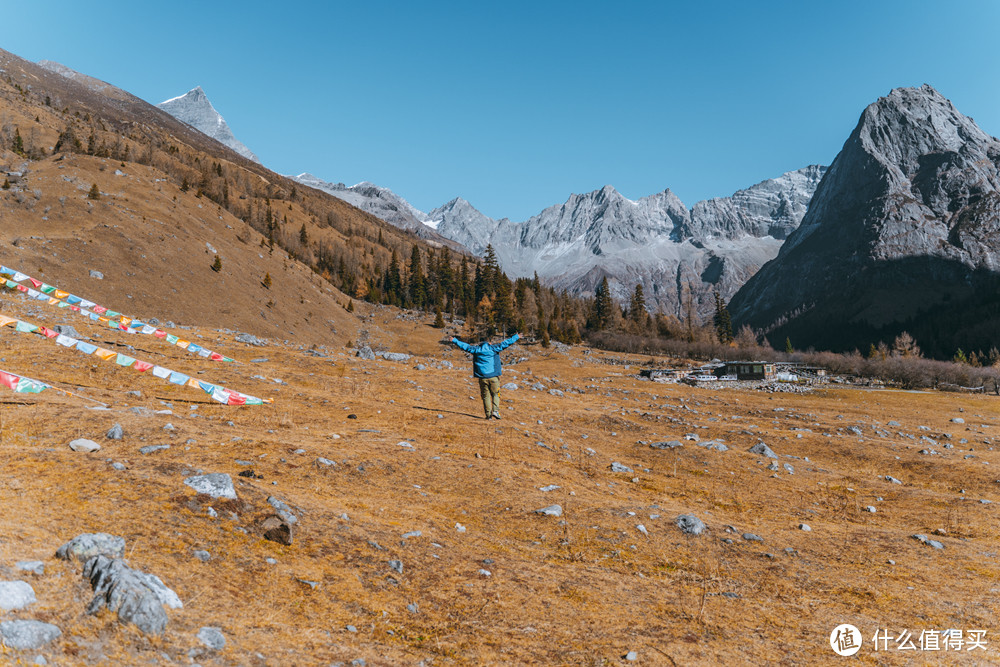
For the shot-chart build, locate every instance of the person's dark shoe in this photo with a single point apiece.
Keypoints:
(488, 417)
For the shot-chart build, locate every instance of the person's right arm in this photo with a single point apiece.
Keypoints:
(461, 345)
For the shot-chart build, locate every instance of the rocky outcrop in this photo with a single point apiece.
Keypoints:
(902, 234)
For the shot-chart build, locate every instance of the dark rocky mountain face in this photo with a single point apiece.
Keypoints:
(901, 234)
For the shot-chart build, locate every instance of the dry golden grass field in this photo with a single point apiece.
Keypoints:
(585, 588)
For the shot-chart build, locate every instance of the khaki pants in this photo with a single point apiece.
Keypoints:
(489, 388)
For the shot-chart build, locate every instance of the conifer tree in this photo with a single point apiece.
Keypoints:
(602, 304)
(637, 309)
(95, 192)
(303, 235)
(217, 264)
(18, 146)
(722, 321)
(267, 281)
(418, 283)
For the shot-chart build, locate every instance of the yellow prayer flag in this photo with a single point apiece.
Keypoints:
(105, 354)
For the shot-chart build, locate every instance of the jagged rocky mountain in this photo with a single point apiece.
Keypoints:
(381, 202)
(194, 108)
(655, 241)
(903, 233)
(384, 204)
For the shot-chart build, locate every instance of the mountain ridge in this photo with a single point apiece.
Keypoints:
(910, 208)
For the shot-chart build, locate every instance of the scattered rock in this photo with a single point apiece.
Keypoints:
(67, 330)
(33, 566)
(216, 485)
(27, 635)
(618, 467)
(666, 444)
(249, 339)
(284, 511)
(394, 356)
(86, 546)
(551, 510)
(276, 529)
(929, 542)
(763, 450)
(690, 524)
(555, 392)
(396, 565)
(805, 527)
(115, 432)
(149, 449)
(203, 556)
(890, 478)
(84, 445)
(631, 656)
(97, 275)
(750, 537)
(550, 487)
(129, 593)
(16, 595)
(510, 386)
(212, 638)
(958, 420)
(871, 508)
(365, 353)
(320, 461)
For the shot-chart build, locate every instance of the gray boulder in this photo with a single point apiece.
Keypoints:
(16, 595)
(115, 432)
(86, 546)
(761, 449)
(67, 330)
(84, 445)
(394, 356)
(510, 386)
(551, 510)
(671, 444)
(121, 589)
(215, 484)
(33, 566)
(284, 511)
(365, 353)
(620, 467)
(27, 635)
(690, 524)
(212, 638)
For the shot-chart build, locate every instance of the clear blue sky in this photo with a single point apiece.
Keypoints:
(516, 105)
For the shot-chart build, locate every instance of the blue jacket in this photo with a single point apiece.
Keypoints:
(486, 357)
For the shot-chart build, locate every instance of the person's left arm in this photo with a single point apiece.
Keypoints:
(507, 343)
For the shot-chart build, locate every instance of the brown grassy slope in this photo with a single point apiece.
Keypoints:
(583, 592)
(146, 230)
(150, 240)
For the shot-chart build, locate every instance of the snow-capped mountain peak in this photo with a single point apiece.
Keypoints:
(195, 109)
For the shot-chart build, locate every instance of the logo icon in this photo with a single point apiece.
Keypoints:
(845, 639)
